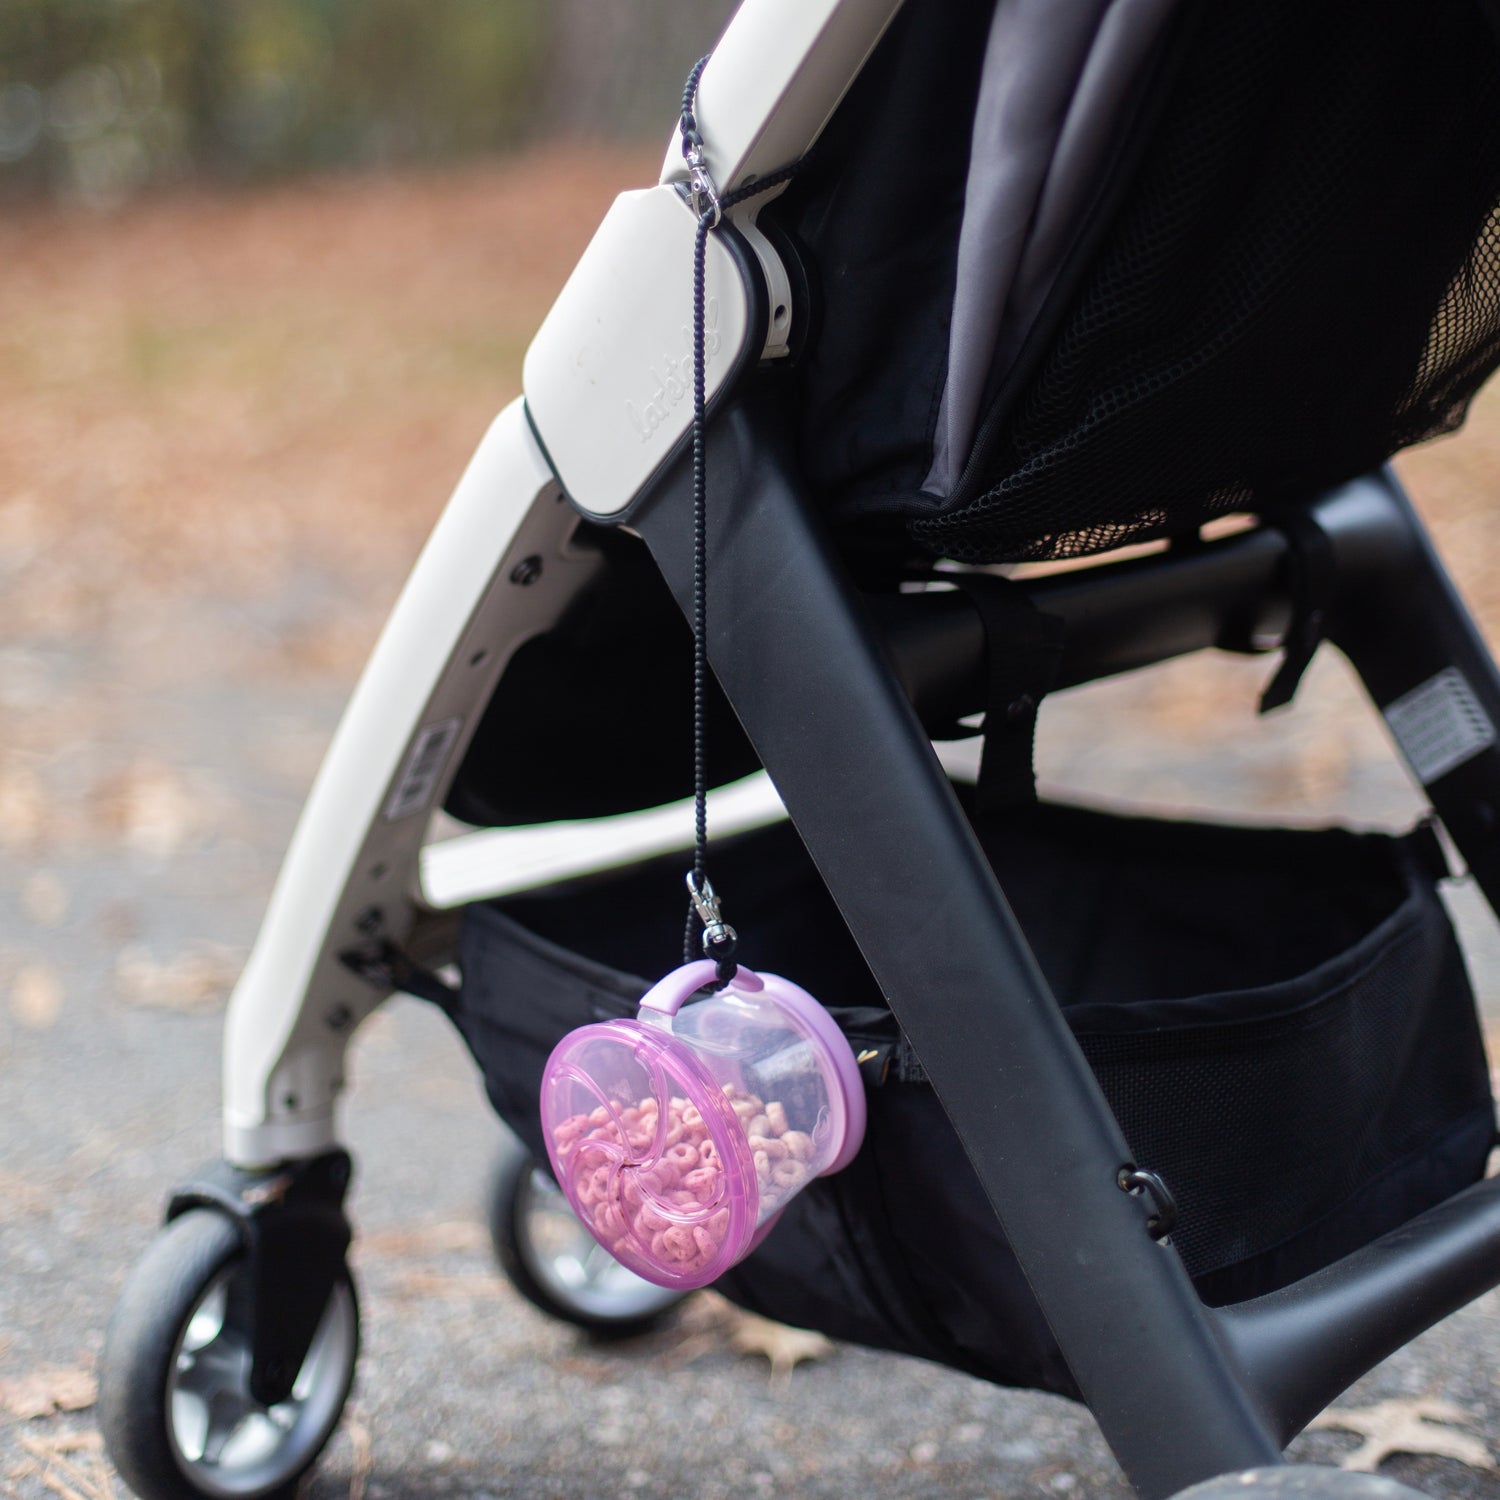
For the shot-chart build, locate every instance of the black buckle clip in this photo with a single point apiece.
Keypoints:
(1137, 1180)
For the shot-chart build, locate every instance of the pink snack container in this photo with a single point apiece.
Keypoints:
(680, 1135)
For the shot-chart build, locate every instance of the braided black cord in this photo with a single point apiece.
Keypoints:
(722, 950)
(700, 586)
(690, 136)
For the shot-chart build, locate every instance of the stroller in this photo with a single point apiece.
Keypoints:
(1187, 1122)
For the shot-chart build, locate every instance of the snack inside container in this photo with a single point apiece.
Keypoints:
(678, 1136)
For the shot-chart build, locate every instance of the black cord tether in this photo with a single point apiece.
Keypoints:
(719, 941)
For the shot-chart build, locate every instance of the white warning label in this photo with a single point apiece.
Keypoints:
(1439, 725)
(424, 764)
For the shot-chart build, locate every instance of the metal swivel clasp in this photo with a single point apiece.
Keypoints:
(716, 931)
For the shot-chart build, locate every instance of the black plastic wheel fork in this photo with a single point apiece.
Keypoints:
(291, 1222)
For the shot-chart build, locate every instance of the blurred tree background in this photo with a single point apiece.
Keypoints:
(100, 99)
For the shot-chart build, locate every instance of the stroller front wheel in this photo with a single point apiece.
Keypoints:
(176, 1410)
(1299, 1482)
(556, 1264)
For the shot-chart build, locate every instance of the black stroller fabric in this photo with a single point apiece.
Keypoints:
(1281, 1021)
(1292, 272)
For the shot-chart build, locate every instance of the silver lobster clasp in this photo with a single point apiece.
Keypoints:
(705, 194)
(706, 903)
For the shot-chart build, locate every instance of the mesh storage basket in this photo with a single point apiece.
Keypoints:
(1281, 1021)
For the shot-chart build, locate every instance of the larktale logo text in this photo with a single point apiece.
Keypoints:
(672, 376)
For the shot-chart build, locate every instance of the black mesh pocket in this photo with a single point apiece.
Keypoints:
(1302, 277)
(1332, 1103)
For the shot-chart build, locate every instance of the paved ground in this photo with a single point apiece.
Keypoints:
(185, 617)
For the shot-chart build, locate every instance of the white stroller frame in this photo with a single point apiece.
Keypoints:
(593, 380)
(1181, 1394)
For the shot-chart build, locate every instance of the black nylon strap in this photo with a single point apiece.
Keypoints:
(1314, 575)
(1426, 847)
(386, 965)
(1023, 651)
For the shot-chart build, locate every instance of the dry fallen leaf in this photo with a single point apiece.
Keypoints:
(709, 1321)
(1322, 769)
(785, 1347)
(363, 1464)
(44, 1392)
(1406, 1426)
(20, 1195)
(44, 899)
(151, 807)
(23, 805)
(71, 1465)
(422, 1286)
(36, 996)
(195, 980)
(424, 1240)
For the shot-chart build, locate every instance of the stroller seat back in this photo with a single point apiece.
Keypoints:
(1195, 260)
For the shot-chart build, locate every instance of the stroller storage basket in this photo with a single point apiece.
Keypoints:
(1281, 1021)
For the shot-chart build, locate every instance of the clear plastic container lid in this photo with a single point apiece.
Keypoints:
(679, 1136)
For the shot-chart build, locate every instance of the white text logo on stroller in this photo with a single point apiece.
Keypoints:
(676, 381)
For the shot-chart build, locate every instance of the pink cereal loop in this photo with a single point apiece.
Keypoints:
(661, 1177)
(651, 1220)
(704, 1182)
(799, 1145)
(788, 1174)
(679, 1240)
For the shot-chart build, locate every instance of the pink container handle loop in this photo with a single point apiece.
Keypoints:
(670, 994)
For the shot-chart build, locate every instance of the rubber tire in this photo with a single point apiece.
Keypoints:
(1299, 1482)
(504, 1215)
(141, 1340)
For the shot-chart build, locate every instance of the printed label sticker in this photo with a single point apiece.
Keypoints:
(424, 764)
(1439, 725)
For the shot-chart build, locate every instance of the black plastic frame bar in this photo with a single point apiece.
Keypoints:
(803, 666)
(1394, 613)
(1400, 621)
(1315, 1338)
(830, 687)
(1232, 594)
(1397, 616)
